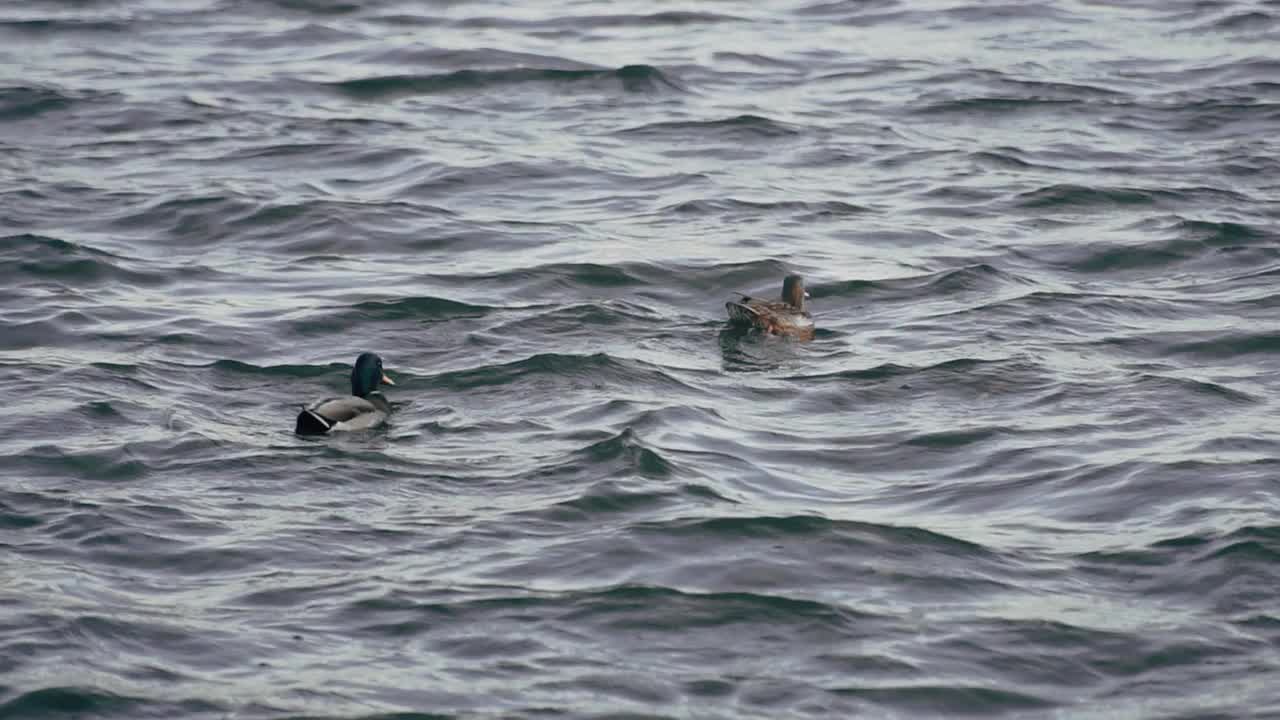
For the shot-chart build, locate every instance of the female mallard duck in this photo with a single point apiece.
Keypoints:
(787, 317)
(363, 409)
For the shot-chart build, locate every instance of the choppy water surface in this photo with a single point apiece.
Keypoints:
(1028, 466)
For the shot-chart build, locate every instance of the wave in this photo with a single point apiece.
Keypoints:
(626, 447)
(1219, 72)
(115, 464)
(943, 700)
(577, 319)
(630, 282)
(579, 23)
(92, 702)
(859, 537)
(566, 25)
(1239, 25)
(29, 257)
(991, 13)
(597, 368)
(474, 58)
(1228, 235)
(1230, 344)
(237, 367)
(994, 106)
(65, 25)
(1104, 258)
(1199, 566)
(755, 60)
(1061, 311)
(612, 497)
(1008, 375)
(1200, 242)
(193, 219)
(1070, 196)
(629, 78)
(325, 320)
(22, 102)
(958, 439)
(344, 155)
(972, 278)
(827, 208)
(612, 475)
(317, 7)
(1005, 158)
(306, 37)
(1202, 390)
(739, 127)
(305, 228)
(621, 608)
(418, 308)
(667, 17)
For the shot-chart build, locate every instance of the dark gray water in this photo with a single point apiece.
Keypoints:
(1028, 467)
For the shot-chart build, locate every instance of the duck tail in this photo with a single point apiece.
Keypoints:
(311, 422)
(741, 314)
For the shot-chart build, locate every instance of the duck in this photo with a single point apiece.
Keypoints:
(781, 317)
(365, 408)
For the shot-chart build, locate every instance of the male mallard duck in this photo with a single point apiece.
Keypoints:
(364, 408)
(787, 317)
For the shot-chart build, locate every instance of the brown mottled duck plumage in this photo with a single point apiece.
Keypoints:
(786, 316)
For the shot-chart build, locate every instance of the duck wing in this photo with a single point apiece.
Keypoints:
(342, 409)
(797, 324)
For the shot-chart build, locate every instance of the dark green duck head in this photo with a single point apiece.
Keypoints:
(367, 375)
